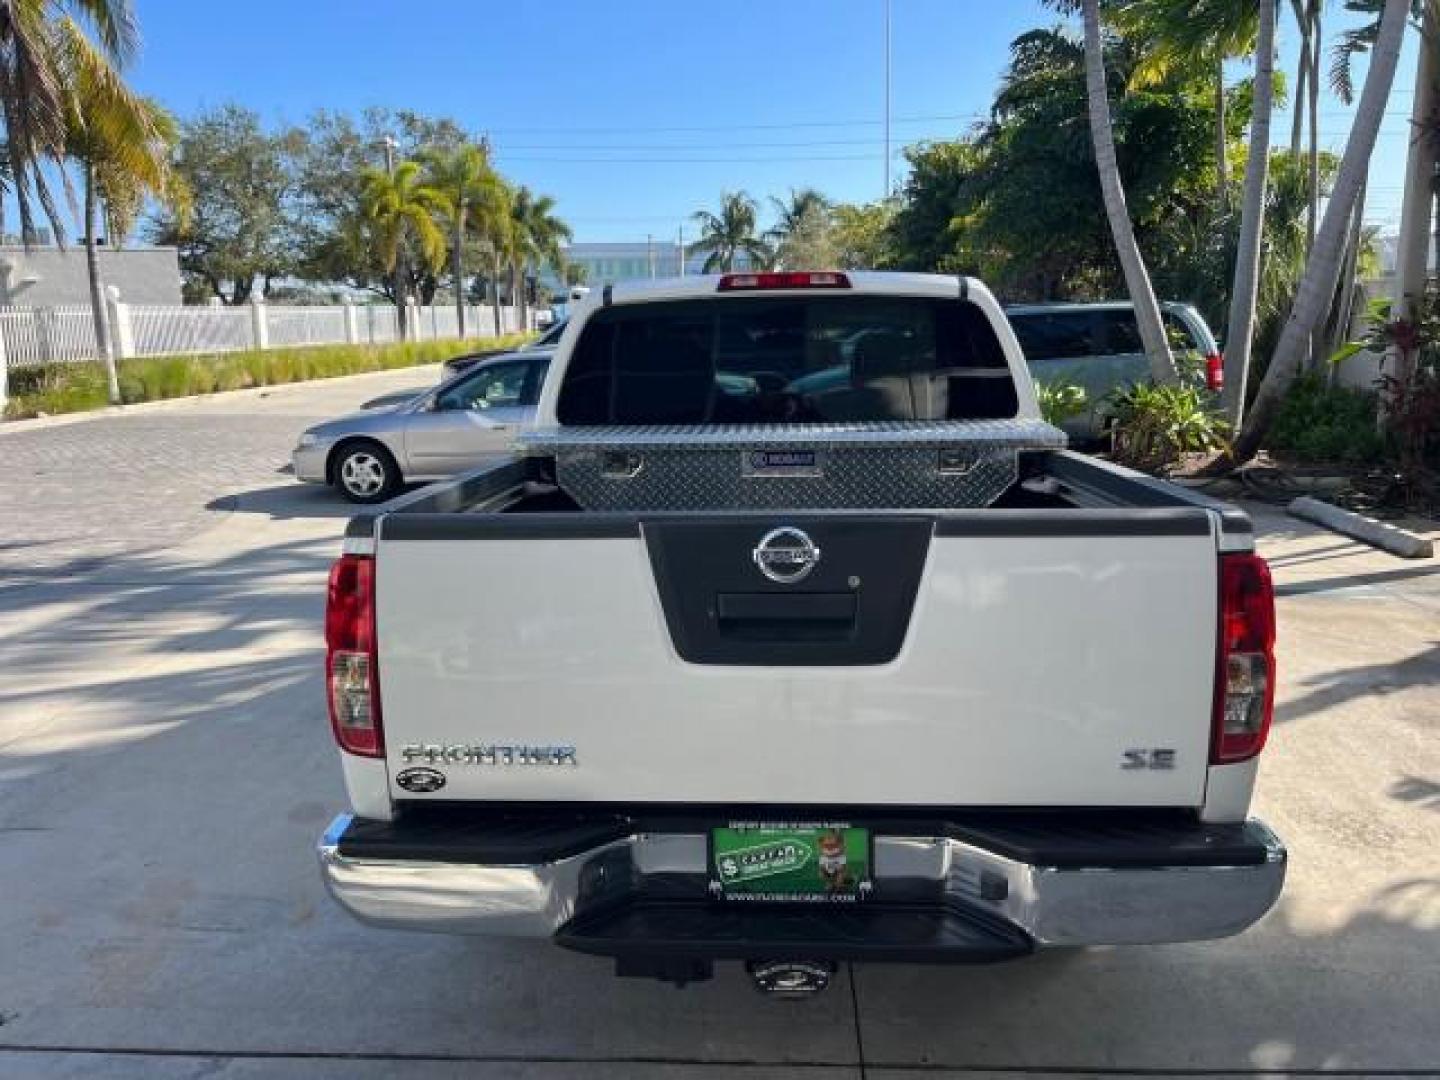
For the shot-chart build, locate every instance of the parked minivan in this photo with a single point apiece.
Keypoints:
(1098, 347)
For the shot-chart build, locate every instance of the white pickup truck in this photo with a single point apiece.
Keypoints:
(791, 635)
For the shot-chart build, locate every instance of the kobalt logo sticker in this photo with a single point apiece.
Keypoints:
(761, 463)
(786, 555)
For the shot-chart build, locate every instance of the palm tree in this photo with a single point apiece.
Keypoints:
(122, 144)
(43, 50)
(497, 232)
(1240, 331)
(1208, 32)
(1317, 287)
(401, 211)
(799, 237)
(1192, 35)
(44, 54)
(1132, 262)
(726, 236)
(463, 173)
(537, 238)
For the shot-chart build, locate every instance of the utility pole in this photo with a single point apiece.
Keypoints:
(391, 144)
(682, 250)
(886, 193)
(650, 254)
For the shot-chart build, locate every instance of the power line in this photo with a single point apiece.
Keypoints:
(690, 160)
(781, 145)
(786, 126)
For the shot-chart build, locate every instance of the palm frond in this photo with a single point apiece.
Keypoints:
(115, 25)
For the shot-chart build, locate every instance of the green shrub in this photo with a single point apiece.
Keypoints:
(1320, 423)
(1060, 401)
(1155, 425)
(57, 388)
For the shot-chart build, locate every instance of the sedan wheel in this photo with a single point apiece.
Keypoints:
(366, 474)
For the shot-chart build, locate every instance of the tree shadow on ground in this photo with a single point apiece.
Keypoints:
(1418, 790)
(1350, 581)
(289, 501)
(1281, 997)
(1340, 687)
(57, 628)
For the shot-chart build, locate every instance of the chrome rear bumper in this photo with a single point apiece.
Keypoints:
(1054, 906)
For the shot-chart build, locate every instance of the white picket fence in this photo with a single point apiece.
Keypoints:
(51, 335)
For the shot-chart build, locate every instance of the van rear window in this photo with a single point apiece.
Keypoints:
(1056, 335)
(787, 360)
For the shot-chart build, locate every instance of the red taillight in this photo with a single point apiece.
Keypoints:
(352, 677)
(796, 279)
(1215, 371)
(1245, 668)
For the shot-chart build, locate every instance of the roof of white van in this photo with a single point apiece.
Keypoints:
(1087, 305)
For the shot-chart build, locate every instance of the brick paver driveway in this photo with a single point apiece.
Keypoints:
(74, 494)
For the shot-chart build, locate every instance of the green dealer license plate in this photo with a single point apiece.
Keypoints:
(818, 862)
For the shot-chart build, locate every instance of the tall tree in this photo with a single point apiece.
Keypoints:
(1302, 10)
(402, 210)
(730, 234)
(1200, 35)
(122, 144)
(1317, 287)
(46, 56)
(241, 227)
(1240, 331)
(331, 152)
(1132, 262)
(49, 50)
(537, 237)
(863, 235)
(497, 236)
(801, 234)
(473, 190)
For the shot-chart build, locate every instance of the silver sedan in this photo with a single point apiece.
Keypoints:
(368, 455)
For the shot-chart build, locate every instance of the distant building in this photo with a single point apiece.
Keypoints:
(42, 238)
(49, 277)
(627, 261)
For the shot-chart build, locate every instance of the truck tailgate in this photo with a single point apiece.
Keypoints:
(971, 658)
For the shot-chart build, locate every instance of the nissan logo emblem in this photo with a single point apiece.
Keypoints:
(786, 555)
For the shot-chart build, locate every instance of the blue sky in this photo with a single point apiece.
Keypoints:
(634, 113)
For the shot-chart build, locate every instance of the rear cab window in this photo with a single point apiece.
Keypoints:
(787, 360)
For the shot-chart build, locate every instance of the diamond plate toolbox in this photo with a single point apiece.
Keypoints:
(878, 465)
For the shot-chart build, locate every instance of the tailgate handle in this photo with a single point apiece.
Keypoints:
(786, 616)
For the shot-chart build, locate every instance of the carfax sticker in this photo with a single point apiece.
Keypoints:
(820, 861)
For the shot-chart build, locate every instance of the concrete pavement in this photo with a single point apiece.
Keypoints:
(165, 766)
